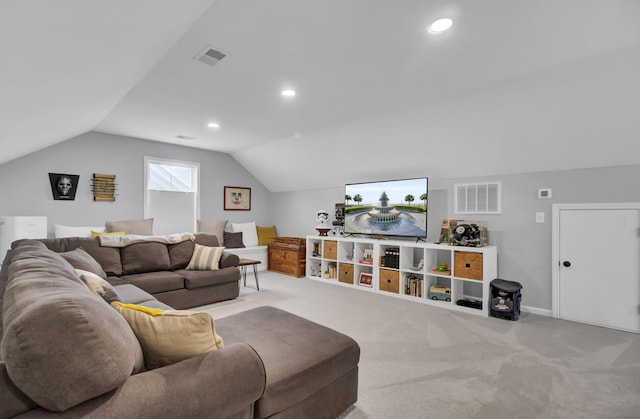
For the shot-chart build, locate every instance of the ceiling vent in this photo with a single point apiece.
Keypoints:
(210, 56)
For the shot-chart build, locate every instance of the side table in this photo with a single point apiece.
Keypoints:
(243, 270)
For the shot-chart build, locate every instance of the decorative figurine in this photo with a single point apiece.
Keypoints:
(323, 222)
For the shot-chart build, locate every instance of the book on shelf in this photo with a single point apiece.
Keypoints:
(392, 257)
(413, 285)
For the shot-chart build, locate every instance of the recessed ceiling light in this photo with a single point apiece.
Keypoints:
(213, 125)
(288, 93)
(440, 25)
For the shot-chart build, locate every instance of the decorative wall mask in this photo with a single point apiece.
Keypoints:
(63, 187)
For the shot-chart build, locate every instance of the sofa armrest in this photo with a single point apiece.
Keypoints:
(228, 260)
(219, 383)
(12, 400)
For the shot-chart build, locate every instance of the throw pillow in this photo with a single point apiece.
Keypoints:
(139, 227)
(266, 235)
(249, 232)
(80, 259)
(170, 336)
(213, 227)
(99, 286)
(233, 240)
(205, 258)
(62, 231)
(106, 233)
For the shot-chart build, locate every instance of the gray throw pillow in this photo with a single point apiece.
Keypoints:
(233, 240)
(80, 259)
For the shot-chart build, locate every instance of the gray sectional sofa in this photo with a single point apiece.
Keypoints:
(66, 352)
(159, 269)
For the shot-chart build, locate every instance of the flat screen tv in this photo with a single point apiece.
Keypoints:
(387, 208)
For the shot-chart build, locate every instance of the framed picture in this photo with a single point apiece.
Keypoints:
(365, 279)
(63, 187)
(237, 198)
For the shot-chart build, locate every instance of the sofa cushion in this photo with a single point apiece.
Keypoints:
(206, 239)
(249, 232)
(133, 295)
(205, 258)
(213, 227)
(61, 231)
(107, 257)
(180, 254)
(266, 235)
(62, 344)
(80, 259)
(155, 282)
(199, 279)
(99, 286)
(141, 227)
(170, 336)
(300, 357)
(145, 257)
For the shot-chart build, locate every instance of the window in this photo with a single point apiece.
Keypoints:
(171, 195)
(477, 198)
(171, 176)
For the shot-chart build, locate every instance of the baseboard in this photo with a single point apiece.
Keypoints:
(536, 310)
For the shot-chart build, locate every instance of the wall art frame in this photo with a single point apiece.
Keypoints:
(237, 198)
(366, 279)
(63, 186)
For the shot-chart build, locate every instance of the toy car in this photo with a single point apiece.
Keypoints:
(439, 292)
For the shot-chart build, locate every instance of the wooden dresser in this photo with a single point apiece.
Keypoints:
(287, 255)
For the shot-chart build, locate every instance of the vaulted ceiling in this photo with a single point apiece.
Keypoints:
(513, 86)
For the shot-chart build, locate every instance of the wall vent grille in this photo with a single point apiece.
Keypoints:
(477, 198)
(210, 56)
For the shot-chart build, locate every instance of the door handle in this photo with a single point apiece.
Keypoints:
(566, 263)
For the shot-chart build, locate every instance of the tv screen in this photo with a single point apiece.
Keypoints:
(388, 208)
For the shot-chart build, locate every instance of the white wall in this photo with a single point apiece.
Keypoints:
(26, 190)
(524, 247)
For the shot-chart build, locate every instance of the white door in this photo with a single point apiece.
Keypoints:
(597, 266)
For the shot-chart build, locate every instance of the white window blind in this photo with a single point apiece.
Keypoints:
(477, 198)
(171, 195)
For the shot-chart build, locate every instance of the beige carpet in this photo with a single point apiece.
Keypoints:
(419, 361)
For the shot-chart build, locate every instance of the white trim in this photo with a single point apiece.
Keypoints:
(555, 242)
(535, 310)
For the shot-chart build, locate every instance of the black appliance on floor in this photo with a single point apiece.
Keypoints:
(505, 299)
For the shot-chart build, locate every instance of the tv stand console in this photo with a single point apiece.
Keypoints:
(458, 276)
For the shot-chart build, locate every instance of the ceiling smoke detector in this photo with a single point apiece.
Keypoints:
(210, 56)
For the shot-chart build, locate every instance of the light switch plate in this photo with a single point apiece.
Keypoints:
(540, 217)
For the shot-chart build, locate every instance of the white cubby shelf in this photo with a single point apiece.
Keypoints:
(393, 268)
